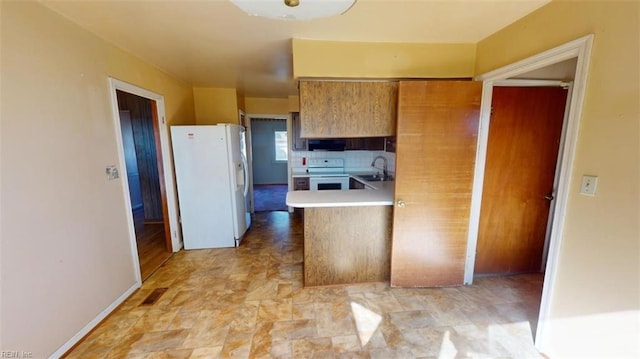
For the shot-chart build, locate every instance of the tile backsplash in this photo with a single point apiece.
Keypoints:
(354, 161)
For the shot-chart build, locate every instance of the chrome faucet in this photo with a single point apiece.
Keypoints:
(384, 165)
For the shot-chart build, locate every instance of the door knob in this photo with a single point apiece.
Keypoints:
(549, 196)
(400, 203)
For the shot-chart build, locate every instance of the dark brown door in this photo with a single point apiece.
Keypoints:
(524, 137)
(435, 156)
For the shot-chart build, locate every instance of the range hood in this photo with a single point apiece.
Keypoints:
(329, 144)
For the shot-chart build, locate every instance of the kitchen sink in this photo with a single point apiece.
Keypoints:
(375, 177)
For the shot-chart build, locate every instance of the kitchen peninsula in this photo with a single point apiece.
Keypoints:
(347, 233)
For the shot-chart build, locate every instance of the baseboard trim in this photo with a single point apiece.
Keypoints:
(93, 323)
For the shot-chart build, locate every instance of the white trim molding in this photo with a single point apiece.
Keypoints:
(576, 48)
(478, 181)
(170, 188)
(580, 49)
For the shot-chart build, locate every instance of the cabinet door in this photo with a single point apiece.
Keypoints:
(298, 143)
(301, 183)
(348, 108)
(435, 157)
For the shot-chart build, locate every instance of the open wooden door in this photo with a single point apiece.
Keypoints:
(435, 157)
(522, 151)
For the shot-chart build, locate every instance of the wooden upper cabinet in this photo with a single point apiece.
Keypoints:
(348, 108)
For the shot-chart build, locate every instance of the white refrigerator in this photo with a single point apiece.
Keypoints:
(212, 176)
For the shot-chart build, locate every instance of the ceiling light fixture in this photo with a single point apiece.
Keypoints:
(294, 9)
(292, 3)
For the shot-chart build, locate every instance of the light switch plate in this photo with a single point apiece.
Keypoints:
(589, 185)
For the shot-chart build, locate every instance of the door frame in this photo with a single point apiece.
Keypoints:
(290, 140)
(170, 192)
(580, 49)
(245, 120)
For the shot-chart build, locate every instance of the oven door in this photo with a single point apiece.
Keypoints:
(321, 183)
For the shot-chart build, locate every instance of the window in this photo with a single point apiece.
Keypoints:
(281, 145)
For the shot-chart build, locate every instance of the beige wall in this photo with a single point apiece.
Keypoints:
(381, 60)
(596, 302)
(66, 254)
(240, 101)
(267, 106)
(215, 105)
(294, 103)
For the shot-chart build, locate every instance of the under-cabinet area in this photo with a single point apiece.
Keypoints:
(337, 143)
(345, 116)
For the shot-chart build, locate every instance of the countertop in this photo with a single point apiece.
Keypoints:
(381, 194)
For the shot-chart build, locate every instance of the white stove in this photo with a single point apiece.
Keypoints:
(327, 174)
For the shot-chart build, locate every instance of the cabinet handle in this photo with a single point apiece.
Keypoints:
(400, 203)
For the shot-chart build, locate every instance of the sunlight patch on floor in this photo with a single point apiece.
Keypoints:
(366, 322)
(447, 349)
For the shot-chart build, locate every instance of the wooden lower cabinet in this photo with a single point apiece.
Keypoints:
(345, 245)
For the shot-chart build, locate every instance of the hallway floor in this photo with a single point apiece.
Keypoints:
(150, 241)
(270, 197)
(249, 302)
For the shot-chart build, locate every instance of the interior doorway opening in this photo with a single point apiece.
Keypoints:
(270, 152)
(573, 55)
(143, 161)
(526, 137)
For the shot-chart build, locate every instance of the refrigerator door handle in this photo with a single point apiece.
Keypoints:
(245, 167)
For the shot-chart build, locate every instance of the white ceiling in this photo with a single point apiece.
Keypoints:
(212, 43)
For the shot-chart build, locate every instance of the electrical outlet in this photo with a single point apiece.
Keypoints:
(589, 184)
(112, 173)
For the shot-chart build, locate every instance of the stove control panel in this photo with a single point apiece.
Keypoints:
(325, 163)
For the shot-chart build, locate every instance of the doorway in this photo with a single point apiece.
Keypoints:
(143, 159)
(579, 50)
(164, 165)
(269, 148)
